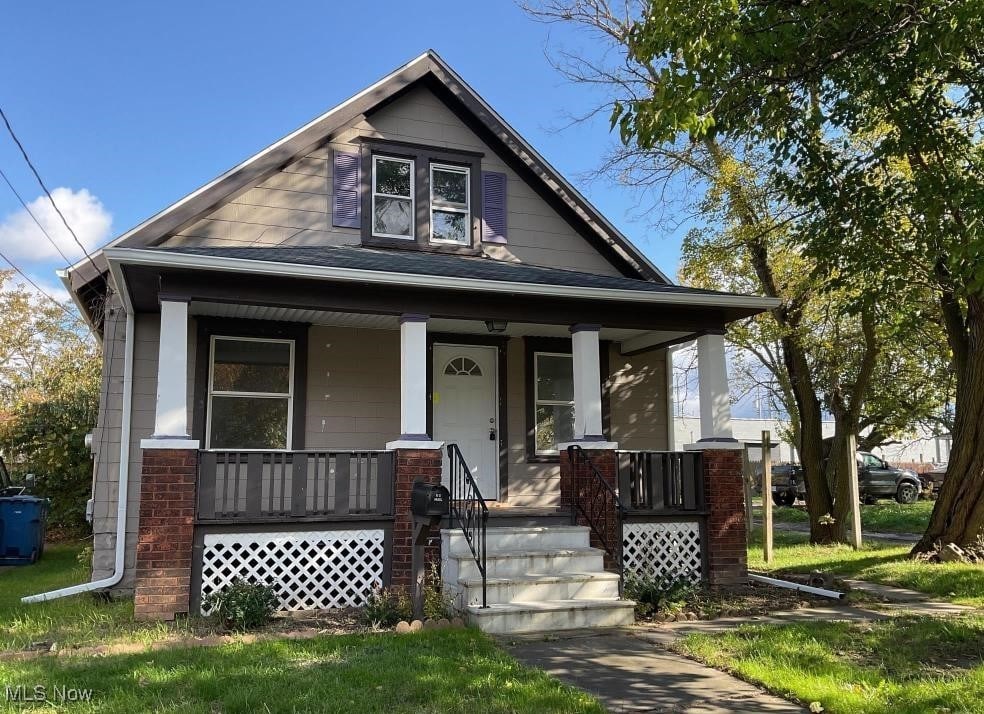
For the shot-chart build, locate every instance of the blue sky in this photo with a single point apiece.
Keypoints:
(127, 107)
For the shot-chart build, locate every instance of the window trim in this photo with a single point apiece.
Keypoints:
(445, 207)
(423, 156)
(412, 197)
(547, 402)
(211, 391)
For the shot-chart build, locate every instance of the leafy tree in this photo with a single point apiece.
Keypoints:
(751, 242)
(49, 398)
(872, 112)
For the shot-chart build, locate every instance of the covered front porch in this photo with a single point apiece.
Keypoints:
(304, 410)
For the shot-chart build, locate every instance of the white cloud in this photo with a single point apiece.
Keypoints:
(21, 239)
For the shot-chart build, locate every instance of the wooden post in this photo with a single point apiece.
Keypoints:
(747, 479)
(767, 495)
(854, 491)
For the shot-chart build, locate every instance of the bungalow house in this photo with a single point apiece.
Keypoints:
(402, 289)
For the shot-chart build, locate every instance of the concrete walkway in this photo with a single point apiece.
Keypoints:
(629, 674)
(900, 538)
(632, 669)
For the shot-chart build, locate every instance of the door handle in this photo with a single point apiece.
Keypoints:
(492, 434)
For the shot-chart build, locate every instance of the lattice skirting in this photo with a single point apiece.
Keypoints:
(662, 549)
(309, 570)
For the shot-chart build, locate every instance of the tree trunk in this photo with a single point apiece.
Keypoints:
(819, 501)
(958, 516)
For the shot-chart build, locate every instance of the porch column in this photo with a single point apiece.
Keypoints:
(587, 383)
(715, 400)
(413, 378)
(171, 420)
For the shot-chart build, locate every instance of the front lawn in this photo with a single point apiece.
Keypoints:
(438, 671)
(903, 665)
(962, 583)
(73, 620)
(880, 517)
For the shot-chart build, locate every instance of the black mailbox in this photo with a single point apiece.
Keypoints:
(429, 500)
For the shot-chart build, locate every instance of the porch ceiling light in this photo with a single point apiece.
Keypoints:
(496, 325)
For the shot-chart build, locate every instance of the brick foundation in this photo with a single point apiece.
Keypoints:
(166, 533)
(727, 554)
(411, 465)
(606, 462)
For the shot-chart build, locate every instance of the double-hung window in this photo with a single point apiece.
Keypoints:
(554, 400)
(450, 204)
(250, 393)
(392, 197)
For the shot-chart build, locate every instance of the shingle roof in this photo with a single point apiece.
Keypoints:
(437, 264)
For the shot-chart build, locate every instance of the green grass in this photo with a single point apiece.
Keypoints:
(881, 517)
(439, 671)
(897, 666)
(962, 583)
(80, 619)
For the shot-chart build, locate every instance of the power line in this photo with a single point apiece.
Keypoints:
(31, 214)
(38, 287)
(27, 158)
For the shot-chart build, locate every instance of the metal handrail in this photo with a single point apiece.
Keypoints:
(469, 510)
(601, 507)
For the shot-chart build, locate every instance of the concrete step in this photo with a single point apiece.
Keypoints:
(538, 587)
(552, 615)
(520, 537)
(510, 563)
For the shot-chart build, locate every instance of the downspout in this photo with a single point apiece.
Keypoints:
(124, 478)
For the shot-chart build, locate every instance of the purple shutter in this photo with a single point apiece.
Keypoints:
(493, 207)
(346, 204)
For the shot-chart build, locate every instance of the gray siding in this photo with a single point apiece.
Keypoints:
(353, 388)
(107, 436)
(293, 207)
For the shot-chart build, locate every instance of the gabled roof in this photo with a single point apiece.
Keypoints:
(427, 67)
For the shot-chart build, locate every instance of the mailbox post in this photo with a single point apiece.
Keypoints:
(429, 503)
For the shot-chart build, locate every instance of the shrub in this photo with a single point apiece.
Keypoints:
(436, 603)
(666, 594)
(243, 605)
(385, 607)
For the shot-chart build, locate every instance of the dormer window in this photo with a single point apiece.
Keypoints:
(392, 197)
(450, 205)
(417, 197)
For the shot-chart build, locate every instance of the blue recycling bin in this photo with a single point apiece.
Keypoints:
(22, 526)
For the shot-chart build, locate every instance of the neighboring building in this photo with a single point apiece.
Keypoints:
(292, 345)
(921, 447)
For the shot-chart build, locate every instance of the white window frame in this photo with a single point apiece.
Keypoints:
(262, 395)
(413, 203)
(546, 402)
(451, 208)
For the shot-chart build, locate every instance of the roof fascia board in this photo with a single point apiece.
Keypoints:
(132, 256)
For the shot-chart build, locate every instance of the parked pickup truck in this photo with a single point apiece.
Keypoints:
(876, 479)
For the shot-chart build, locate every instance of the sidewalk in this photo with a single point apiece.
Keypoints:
(633, 670)
(901, 538)
(628, 674)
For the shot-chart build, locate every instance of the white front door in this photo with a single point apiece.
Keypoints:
(466, 400)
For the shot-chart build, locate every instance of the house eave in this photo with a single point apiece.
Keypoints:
(150, 257)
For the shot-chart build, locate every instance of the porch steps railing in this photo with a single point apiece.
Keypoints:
(596, 500)
(256, 486)
(469, 512)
